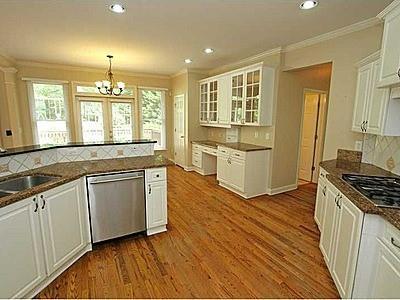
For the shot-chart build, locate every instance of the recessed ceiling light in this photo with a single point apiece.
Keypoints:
(188, 61)
(117, 8)
(208, 50)
(308, 4)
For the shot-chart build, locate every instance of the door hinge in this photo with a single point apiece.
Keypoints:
(312, 168)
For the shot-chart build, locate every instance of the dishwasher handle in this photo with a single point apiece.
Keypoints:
(116, 179)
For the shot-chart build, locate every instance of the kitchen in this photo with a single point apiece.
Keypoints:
(182, 179)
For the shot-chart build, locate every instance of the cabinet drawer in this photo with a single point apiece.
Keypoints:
(196, 152)
(238, 154)
(209, 150)
(154, 175)
(197, 147)
(223, 151)
(196, 161)
(391, 237)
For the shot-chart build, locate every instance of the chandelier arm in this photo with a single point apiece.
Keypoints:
(101, 92)
(117, 94)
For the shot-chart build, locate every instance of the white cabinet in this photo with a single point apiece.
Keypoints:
(390, 52)
(156, 200)
(386, 283)
(22, 262)
(214, 102)
(245, 173)
(374, 111)
(63, 216)
(340, 239)
(240, 97)
(49, 230)
(320, 201)
(251, 96)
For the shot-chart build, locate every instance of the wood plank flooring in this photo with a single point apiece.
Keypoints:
(217, 246)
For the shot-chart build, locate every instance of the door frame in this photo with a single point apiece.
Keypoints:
(184, 130)
(107, 113)
(322, 122)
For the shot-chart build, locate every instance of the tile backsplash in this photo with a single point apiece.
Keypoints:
(383, 151)
(28, 161)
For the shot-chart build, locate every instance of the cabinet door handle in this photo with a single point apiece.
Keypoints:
(393, 241)
(361, 126)
(366, 126)
(149, 189)
(43, 201)
(36, 204)
(398, 73)
(324, 191)
(338, 202)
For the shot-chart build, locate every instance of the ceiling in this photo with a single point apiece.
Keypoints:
(155, 36)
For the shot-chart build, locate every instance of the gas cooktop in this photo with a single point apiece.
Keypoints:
(382, 191)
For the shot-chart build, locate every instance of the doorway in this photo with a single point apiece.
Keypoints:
(312, 135)
(179, 130)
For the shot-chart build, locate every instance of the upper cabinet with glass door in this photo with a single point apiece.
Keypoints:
(240, 97)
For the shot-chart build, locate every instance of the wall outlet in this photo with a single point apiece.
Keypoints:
(267, 136)
(358, 145)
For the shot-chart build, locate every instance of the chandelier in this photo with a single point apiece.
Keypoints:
(109, 86)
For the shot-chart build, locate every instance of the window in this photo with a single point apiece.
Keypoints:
(49, 113)
(153, 116)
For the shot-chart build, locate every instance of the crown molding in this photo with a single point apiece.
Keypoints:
(247, 60)
(23, 63)
(187, 71)
(370, 58)
(180, 72)
(388, 9)
(334, 34)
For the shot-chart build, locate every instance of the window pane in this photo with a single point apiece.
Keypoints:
(50, 113)
(121, 121)
(153, 116)
(92, 121)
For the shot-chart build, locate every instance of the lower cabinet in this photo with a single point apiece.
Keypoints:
(340, 239)
(39, 235)
(320, 201)
(156, 200)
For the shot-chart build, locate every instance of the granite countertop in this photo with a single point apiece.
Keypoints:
(336, 168)
(236, 146)
(34, 148)
(70, 171)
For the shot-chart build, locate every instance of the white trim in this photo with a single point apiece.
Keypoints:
(152, 88)
(42, 80)
(9, 69)
(242, 69)
(388, 9)
(247, 60)
(282, 189)
(373, 57)
(333, 34)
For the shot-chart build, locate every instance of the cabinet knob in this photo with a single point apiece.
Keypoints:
(36, 204)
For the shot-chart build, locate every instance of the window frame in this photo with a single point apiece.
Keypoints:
(32, 106)
(163, 91)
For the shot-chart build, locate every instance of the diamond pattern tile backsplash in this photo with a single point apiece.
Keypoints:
(383, 151)
(23, 162)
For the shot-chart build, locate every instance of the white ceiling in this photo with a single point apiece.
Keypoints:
(154, 36)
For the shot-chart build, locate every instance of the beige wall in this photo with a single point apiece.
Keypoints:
(344, 52)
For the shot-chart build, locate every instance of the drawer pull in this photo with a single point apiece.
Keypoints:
(393, 241)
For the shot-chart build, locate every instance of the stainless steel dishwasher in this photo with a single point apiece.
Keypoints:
(117, 205)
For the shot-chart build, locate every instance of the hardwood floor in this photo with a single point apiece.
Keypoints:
(217, 246)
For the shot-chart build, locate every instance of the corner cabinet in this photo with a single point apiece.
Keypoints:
(374, 111)
(43, 235)
(390, 72)
(240, 97)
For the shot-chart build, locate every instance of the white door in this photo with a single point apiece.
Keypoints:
(309, 131)
(387, 278)
(362, 96)
(22, 265)
(63, 223)
(179, 130)
(346, 245)
(156, 204)
(378, 102)
(328, 229)
(93, 120)
(236, 174)
(391, 49)
(320, 203)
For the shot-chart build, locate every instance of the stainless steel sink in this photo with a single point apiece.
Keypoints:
(3, 194)
(22, 183)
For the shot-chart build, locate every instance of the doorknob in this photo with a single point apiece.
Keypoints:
(182, 136)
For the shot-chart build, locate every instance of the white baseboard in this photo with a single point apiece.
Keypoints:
(57, 273)
(282, 189)
(156, 230)
(188, 169)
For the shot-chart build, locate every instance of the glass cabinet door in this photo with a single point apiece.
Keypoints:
(203, 102)
(252, 96)
(237, 98)
(213, 102)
